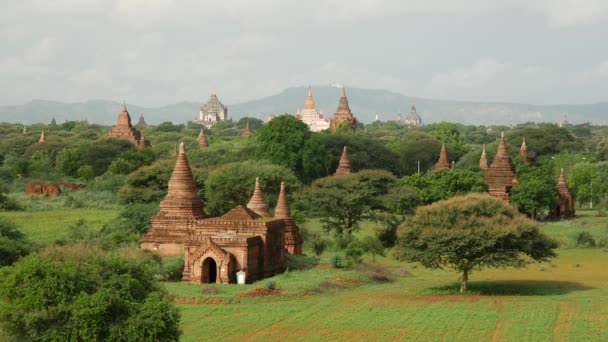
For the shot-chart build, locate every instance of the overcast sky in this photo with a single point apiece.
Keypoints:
(155, 52)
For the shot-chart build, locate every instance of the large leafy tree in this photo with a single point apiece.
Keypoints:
(365, 151)
(415, 147)
(287, 141)
(232, 184)
(472, 232)
(85, 294)
(536, 191)
(444, 184)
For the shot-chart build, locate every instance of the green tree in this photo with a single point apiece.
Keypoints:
(342, 202)
(68, 162)
(415, 147)
(232, 184)
(444, 184)
(13, 244)
(85, 294)
(472, 232)
(536, 190)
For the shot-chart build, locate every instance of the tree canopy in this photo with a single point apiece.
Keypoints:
(472, 232)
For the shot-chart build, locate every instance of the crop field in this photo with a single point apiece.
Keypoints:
(564, 300)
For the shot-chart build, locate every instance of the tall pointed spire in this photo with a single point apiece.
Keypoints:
(42, 137)
(24, 130)
(282, 209)
(500, 176)
(202, 139)
(124, 119)
(247, 132)
(182, 198)
(443, 162)
(310, 103)
(523, 151)
(483, 160)
(565, 206)
(343, 113)
(258, 203)
(344, 167)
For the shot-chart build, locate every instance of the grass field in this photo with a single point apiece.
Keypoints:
(47, 226)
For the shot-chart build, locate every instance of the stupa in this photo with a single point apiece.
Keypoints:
(42, 138)
(124, 130)
(344, 167)
(216, 248)
(258, 203)
(565, 207)
(500, 176)
(247, 132)
(523, 151)
(343, 114)
(141, 122)
(483, 160)
(202, 139)
(443, 162)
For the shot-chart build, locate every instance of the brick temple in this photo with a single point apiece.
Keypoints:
(442, 163)
(343, 114)
(565, 207)
(500, 176)
(246, 238)
(125, 130)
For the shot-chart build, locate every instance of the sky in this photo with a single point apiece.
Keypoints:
(157, 52)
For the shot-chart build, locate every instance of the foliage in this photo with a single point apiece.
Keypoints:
(444, 184)
(131, 160)
(232, 184)
(536, 190)
(342, 202)
(336, 261)
(589, 182)
(584, 239)
(286, 141)
(364, 151)
(415, 147)
(13, 244)
(83, 293)
(471, 233)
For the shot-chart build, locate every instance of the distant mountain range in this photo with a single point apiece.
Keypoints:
(365, 104)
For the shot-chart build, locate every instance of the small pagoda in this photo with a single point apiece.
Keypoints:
(523, 151)
(343, 114)
(202, 139)
(500, 176)
(443, 162)
(344, 167)
(141, 122)
(483, 160)
(247, 133)
(565, 208)
(42, 138)
(124, 130)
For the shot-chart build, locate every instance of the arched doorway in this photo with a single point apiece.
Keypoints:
(209, 271)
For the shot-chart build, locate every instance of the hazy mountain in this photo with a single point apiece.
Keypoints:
(365, 104)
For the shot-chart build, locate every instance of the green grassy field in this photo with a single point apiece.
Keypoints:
(48, 226)
(564, 300)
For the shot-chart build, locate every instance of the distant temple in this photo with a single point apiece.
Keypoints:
(42, 138)
(247, 132)
(124, 130)
(141, 122)
(342, 114)
(24, 132)
(53, 122)
(563, 122)
(442, 163)
(483, 160)
(413, 119)
(344, 167)
(309, 115)
(202, 139)
(245, 239)
(500, 176)
(565, 207)
(212, 112)
(523, 151)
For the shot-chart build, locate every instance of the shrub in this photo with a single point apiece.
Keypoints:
(317, 243)
(337, 261)
(300, 262)
(271, 285)
(585, 239)
(172, 268)
(354, 253)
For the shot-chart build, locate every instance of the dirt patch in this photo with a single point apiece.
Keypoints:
(198, 301)
(260, 292)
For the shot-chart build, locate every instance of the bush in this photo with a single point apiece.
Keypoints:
(337, 261)
(271, 285)
(317, 243)
(13, 244)
(585, 239)
(172, 268)
(300, 262)
(354, 253)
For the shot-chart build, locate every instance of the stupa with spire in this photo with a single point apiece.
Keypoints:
(42, 138)
(565, 207)
(523, 151)
(202, 139)
(442, 163)
(124, 130)
(315, 120)
(246, 238)
(344, 167)
(500, 176)
(141, 122)
(343, 114)
(247, 132)
(483, 160)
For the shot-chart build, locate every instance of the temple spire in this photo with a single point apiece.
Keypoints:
(42, 137)
(500, 176)
(483, 160)
(258, 203)
(344, 167)
(523, 151)
(282, 209)
(310, 103)
(247, 132)
(443, 162)
(202, 139)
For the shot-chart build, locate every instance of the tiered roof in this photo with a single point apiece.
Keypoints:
(124, 129)
(443, 162)
(343, 113)
(344, 167)
(202, 139)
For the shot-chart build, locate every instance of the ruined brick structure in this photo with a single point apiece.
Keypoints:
(215, 248)
(124, 130)
(500, 176)
(202, 139)
(50, 189)
(344, 164)
(443, 162)
(565, 208)
(343, 114)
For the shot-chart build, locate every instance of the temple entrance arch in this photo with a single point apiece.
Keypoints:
(209, 273)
